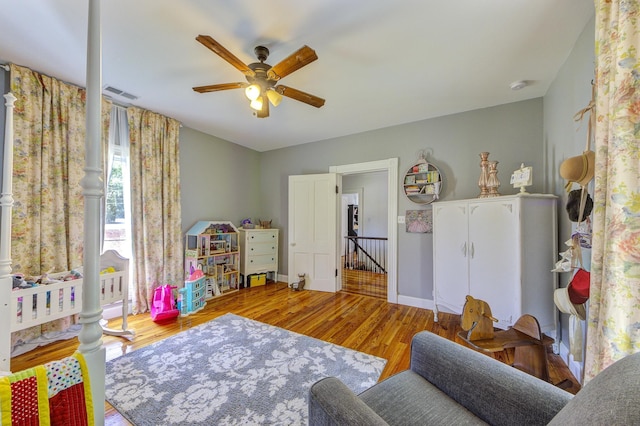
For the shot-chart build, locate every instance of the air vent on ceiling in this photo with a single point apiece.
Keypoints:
(120, 93)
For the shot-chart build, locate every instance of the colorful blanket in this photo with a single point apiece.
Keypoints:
(57, 393)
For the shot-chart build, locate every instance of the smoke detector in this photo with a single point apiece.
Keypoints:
(517, 85)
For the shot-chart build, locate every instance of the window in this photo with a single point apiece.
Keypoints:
(115, 200)
(115, 231)
(117, 225)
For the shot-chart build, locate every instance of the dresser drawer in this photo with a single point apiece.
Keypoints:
(199, 285)
(198, 294)
(197, 304)
(262, 237)
(193, 286)
(258, 261)
(262, 248)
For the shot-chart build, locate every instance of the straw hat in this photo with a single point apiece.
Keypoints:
(579, 169)
(564, 304)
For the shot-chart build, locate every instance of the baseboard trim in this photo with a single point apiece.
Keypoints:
(113, 310)
(416, 302)
(575, 367)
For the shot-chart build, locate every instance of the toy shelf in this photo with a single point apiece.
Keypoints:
(212, 246)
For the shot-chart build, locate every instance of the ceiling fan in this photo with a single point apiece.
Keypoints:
(262, 79)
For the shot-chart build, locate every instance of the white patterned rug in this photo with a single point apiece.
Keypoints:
(231, 371)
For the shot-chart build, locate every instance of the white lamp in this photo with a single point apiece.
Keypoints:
(256, 103)
(252, 92)
(274, 97)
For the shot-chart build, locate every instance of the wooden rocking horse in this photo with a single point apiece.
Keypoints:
(529, 343)
(477, 320)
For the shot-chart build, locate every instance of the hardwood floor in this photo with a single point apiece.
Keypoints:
(362, 323)
(364, 283)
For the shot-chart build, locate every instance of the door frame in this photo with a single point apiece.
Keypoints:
(389, 165)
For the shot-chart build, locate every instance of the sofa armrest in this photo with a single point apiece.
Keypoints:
(331, 402)
(495, 392)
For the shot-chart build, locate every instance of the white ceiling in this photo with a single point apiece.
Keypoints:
(381, 62)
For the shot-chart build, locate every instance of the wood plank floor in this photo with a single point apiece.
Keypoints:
(362, 323)
(364, 283)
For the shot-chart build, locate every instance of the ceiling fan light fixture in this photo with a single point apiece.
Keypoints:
(256, 103)
(260, 88)
(274, 97)
(253, 92)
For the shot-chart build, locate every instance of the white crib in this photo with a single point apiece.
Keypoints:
(38, 305)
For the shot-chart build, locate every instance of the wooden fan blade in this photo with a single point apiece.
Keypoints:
(264, 112)
(303, 56)
(219, 50)
(218, 87)
(299, 95)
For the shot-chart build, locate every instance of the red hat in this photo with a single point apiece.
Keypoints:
(578, 288)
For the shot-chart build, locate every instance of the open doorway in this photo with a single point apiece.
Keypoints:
(385, 225)
(364, 234)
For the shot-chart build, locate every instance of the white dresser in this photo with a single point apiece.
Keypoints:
(258, 252)
(500, 250)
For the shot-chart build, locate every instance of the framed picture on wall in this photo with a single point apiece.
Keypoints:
(419, 221)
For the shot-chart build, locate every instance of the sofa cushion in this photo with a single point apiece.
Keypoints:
(332, 403)
(610, 398)
(494, 391)
(408, 399)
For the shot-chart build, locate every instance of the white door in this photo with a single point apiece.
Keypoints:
(313, 229)
(494, 265)
(450, 255)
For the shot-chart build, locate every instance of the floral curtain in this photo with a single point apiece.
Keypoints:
(614, 307)
(155, 202)
(48, 211)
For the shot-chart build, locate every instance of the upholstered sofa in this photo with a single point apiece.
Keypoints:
(449, 384)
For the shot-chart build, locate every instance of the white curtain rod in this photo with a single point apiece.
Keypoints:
(5, 67)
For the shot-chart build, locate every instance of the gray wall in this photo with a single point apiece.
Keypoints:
(511, 133)
(569, 93)
(219, 180)
(372, 214)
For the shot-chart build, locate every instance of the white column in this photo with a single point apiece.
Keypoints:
(6, 202)
(92, 189)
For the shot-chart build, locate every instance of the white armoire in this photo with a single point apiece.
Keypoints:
(500, 250)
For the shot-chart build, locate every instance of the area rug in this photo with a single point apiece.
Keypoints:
(231, 371)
